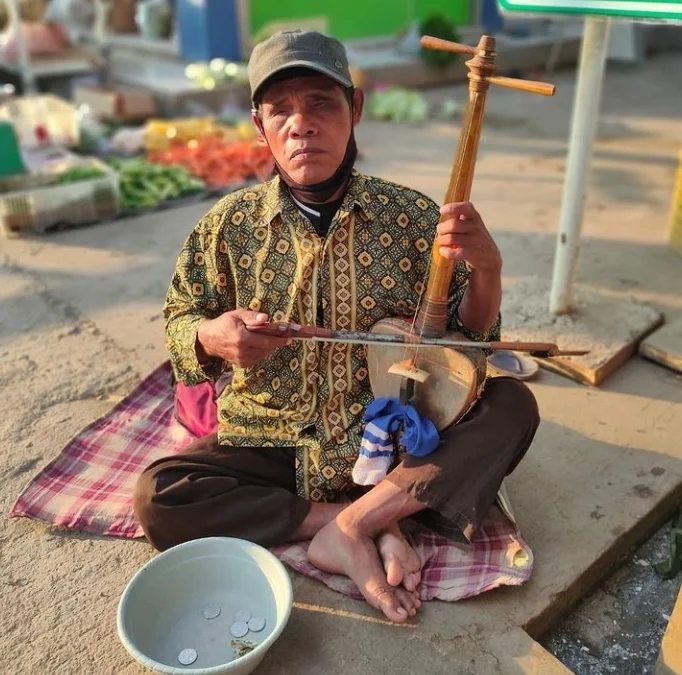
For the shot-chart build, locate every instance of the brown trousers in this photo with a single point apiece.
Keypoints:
(250, 493)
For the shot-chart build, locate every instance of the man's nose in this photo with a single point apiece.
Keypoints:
(301, 125)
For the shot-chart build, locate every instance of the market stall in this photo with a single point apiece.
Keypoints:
(66, 166)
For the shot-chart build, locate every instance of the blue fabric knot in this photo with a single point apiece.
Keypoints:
(419, 436)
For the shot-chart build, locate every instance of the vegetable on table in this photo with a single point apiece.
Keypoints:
(77, 174)
(219, 162)
(397, 104)
(164, 134)
(147, 185)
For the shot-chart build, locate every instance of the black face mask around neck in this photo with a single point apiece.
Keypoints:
(324, 190)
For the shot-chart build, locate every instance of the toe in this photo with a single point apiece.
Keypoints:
(394, 571)
(389, 602)
(412, 580)
(408, 601)
(414, 563)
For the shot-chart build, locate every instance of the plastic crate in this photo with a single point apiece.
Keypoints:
(42, 120)
(31, 204)
(675, 237)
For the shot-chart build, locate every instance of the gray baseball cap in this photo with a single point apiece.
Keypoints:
(298, 49)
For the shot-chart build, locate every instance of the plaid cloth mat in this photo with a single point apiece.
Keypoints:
(89, 487)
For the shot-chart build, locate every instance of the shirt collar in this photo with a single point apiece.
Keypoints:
(278, 201)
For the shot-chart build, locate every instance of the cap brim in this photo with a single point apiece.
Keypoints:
(302, 64)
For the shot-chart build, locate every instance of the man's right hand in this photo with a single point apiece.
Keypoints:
(226, 337)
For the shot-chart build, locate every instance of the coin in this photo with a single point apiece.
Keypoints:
(256, 623)
(242, 615)
(211, 611)
(187, 656)
(239, 629)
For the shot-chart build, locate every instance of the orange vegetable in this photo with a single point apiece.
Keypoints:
(219, 162)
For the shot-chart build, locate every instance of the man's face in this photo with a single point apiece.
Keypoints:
(307, 123)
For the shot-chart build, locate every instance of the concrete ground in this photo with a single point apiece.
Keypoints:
(80, 324)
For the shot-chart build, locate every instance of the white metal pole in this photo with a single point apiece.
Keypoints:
(586, 106)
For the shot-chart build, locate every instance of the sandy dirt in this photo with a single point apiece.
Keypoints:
(80, 325)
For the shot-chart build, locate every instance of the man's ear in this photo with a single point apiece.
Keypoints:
(358, 104)
(259, 127)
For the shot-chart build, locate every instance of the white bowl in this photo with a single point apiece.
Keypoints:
(161, 611)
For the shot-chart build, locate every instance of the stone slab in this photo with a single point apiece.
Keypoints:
(664, 346)
(610, 327)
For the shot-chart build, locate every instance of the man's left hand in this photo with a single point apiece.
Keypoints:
(462, 235)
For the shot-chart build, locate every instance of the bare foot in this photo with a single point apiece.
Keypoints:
(401, 562)
(345, 551)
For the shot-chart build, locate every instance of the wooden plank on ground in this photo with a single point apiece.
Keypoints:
(670, 657)
(609, 326)
(664, 346)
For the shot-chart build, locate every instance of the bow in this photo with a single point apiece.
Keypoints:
(294, 331)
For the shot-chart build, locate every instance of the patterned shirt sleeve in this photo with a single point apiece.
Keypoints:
(460, 280)
(198, 290)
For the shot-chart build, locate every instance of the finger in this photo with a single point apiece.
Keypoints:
(450, 253)
(260, 341)
(459, 210)
(455, 240)
(453, 226)
(253, 318)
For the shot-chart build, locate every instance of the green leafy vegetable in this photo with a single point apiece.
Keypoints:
(78, 174)
(397, 104)
(147, 185)
(669, 568)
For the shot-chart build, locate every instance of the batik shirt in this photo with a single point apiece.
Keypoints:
(254, 249)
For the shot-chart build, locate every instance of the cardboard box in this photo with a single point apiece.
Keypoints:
(121, 17)
(120, 104)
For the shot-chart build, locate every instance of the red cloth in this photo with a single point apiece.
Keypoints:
(196, 409)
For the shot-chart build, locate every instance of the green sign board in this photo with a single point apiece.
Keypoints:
(660, 10)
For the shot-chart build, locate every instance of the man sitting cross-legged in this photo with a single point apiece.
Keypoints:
(324, 244)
